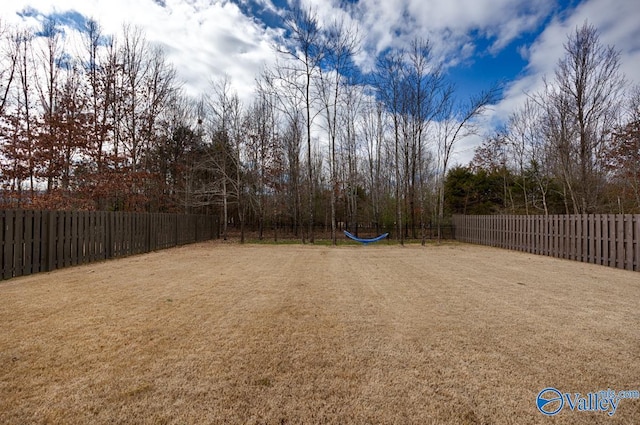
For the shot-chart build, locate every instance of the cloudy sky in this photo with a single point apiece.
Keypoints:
(483, 41)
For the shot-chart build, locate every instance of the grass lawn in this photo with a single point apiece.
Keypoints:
(282, 334)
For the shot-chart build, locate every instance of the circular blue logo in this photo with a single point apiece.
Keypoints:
(550, 401)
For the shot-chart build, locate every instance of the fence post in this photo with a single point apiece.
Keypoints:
(584, 242)
(606, 239)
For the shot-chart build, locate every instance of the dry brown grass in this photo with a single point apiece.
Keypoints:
(219, 333)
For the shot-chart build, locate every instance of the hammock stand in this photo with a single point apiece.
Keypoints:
(365, 241)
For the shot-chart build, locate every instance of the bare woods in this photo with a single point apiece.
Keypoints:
(572, 148)
(103, 124)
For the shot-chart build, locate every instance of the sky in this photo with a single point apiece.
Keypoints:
(482, 42)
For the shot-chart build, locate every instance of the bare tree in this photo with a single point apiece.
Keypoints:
(159, 88)
(458, 123)
(623, 156)
(98, 93)
(9, 47)
(411, 85)
(173, 158)
(292, 142)
(265, 158)
(390, 91)
(341, 44)
(305, 54)
(582, 105)
(373, 128)
(530, 156)
(427, 97)
(219, 158)
(135, 69)
(238, 140)
(350, 148)
(281, 85)
(48, 87)
(16, 104)
(24, 120)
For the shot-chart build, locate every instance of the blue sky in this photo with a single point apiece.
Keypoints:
(515, 42)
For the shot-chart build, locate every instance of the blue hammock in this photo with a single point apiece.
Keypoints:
(365, 241)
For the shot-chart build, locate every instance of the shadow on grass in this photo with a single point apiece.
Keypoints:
(348, 242)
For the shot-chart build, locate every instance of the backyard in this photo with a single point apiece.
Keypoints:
(280, 334)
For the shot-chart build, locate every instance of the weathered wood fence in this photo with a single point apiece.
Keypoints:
(37, 241)
(607, 239)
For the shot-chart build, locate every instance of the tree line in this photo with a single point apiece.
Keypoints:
(571, 148)
(320, 143)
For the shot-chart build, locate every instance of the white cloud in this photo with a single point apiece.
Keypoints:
(208, 42)
(203, 39)
(617, 26)
(449, 24)
(206, 38)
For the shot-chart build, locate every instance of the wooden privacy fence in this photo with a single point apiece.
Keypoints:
(37, 241)
(606, 239)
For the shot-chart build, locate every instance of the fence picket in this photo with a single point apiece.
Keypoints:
(585, 240)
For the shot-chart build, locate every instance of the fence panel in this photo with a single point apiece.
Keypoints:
(36, 241)
(605, 239)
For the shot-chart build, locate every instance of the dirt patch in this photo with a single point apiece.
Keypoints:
(223, 333)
